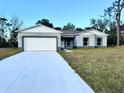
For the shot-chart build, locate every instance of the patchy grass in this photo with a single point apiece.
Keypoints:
(6, 52)
(101, 68)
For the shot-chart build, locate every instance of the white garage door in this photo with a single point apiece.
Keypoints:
(39, 44)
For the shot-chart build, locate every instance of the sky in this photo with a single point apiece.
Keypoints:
(59, 12)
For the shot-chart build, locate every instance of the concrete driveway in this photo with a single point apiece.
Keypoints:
(39, 72)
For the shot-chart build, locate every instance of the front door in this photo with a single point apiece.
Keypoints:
(68, 43)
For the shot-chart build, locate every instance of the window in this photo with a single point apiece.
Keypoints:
(85, 41)
(99, 41)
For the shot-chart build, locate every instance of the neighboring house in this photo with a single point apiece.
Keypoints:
(44, 38)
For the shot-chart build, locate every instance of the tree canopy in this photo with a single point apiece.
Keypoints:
(45, 22)
(9, 27)
(69, 26)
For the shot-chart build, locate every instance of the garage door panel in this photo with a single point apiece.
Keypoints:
(39, 44)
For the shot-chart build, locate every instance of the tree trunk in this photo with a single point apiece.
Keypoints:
(118, 31)
(118, 23)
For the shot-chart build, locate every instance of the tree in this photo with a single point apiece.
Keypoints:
(3, 29)
(69, 26)
(122, 27)
(58, 28)
(115, 12)
(45, 22)
(79, 29)
(15, 25)
(3, 26)
(118, 16)
(88, 28)
(99, 24)
(112, 34)
(3, 42)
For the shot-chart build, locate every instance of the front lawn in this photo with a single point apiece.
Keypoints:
(6, 52)
(101, 68)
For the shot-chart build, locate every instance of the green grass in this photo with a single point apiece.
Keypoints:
(101, 68)
(6, 52)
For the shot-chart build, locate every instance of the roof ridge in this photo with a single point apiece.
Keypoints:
(36, 26)
(28, 28)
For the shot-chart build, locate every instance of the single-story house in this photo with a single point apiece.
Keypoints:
(40, 37)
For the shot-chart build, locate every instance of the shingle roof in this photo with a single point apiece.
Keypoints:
(73, 33)
(69, 32)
